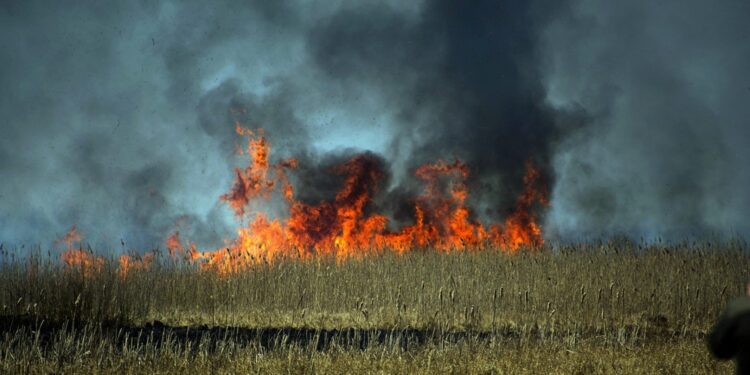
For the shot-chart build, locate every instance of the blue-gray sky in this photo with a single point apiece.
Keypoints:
(118, 117)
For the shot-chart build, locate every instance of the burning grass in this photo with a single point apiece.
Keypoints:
(632, 307)
(347, 225)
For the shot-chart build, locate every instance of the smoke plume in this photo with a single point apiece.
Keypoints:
(120, 117)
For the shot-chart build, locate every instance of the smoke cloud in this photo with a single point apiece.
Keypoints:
(120, 118)
(665, 87)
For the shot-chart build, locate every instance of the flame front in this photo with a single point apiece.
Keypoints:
(343, 227)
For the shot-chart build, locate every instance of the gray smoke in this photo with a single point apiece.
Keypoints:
(666, 88)
(120, 117)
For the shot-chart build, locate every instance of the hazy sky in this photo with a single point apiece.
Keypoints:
(119, 117)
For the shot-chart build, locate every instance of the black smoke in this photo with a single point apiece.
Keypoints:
(120, 118)
(464, 82)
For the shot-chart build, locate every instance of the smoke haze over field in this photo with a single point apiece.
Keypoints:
(666, 88)
(120, 117)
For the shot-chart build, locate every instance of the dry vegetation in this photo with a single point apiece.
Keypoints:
(600, 308)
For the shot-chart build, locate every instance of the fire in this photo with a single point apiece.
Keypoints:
(345, 227)
(441, 218)
(129, 264)
(255, 181)
(178, 251)
(75, 257)
(89, 264)
(521, 227)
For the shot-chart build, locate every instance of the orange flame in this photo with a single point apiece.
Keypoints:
(255, 180)
(89, 264)
(128, 264)
(521, 227)
(76, 258)
(178, 251)
(343, 227)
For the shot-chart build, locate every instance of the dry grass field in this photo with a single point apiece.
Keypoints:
(613, 307)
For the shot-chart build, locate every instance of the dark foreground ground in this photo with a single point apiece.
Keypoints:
(34, 347)
(210, 339)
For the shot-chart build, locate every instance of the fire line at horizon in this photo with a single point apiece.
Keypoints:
(344, 226)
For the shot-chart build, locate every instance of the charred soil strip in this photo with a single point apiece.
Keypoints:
(210, 339)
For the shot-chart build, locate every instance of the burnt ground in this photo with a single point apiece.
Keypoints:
(211, 338)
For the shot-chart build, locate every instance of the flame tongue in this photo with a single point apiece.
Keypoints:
(521, 227)
(443, 219)
(259, 178)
